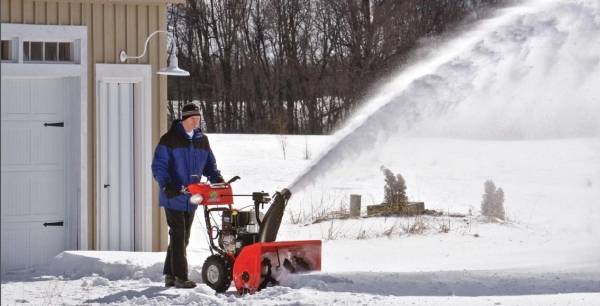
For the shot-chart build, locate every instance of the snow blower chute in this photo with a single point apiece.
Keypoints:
(243, 245)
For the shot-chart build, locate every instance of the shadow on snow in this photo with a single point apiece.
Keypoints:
(445, 283)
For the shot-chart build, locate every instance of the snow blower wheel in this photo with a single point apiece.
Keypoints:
(216, 273)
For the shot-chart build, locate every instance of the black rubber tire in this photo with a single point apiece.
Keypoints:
(221, 272)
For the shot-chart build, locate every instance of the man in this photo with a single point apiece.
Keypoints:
(182, 156)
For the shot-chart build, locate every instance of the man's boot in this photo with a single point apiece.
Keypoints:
(169, 280)
(184, 283)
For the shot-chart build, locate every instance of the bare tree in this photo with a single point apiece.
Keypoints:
(254, 63)
(307, 153)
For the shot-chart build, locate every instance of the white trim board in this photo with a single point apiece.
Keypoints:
(77, 212)
(38, 32)
(141, 77)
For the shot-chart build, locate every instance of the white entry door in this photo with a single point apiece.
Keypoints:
(116, 214)
(34, 191)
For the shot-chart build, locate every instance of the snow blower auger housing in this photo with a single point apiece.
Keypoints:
(243, 244)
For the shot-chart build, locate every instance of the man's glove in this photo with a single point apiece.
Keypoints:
(171, 191)
(219, 180)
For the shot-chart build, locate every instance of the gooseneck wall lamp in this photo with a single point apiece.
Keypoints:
(173, 68)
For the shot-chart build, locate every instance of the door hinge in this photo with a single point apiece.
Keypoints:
(60, 223)
(57, 124)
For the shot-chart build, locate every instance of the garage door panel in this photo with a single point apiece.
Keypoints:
(26, 142)
(17, 99)
(15, 247)
(48, 96)
(16, 196)
(16, 145)
(47, 241)
(48, 144)
(48, 194)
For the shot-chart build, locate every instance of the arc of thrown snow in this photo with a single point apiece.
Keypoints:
(350, 134)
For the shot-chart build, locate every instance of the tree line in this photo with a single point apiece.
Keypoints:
(295, 66)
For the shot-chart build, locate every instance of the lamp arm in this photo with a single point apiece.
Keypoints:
(124, 57)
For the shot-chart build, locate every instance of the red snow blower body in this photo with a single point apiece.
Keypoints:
(243, 243)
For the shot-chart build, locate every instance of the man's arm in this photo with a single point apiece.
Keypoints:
(160, 166)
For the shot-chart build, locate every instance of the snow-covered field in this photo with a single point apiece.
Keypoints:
(517, 102)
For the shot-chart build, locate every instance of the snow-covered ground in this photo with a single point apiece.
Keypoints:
(515, 102)
(547, 254)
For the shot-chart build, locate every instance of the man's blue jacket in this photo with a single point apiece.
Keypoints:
(179, 161)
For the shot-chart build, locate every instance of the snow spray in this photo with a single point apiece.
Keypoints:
(531, 72)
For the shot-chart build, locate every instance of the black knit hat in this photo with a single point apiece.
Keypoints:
(189, 110)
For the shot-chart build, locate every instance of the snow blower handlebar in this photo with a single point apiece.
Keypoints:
(233, 179)
(221, 194)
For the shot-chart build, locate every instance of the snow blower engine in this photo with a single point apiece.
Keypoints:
(243, 247)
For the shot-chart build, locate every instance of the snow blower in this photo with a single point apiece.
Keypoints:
(243, 248)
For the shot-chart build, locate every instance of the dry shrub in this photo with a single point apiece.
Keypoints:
(444, 228)
(362, 234)
(492, 205)
(416, 225)
(295, 218)
(333, 232)
(443, 225)
(389, 231)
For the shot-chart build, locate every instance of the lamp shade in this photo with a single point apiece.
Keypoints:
(173, 68)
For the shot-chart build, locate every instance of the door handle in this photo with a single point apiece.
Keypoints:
(106, 185)
(57, 124)
(59, 223)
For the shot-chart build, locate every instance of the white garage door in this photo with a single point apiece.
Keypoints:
(33, 171)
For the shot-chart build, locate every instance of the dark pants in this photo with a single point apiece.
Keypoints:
(180, 225)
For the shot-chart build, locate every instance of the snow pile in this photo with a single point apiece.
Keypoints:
(201, 295)
(108, 265)
(94, 281)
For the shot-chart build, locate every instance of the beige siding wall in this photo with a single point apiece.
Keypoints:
(113, 25)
